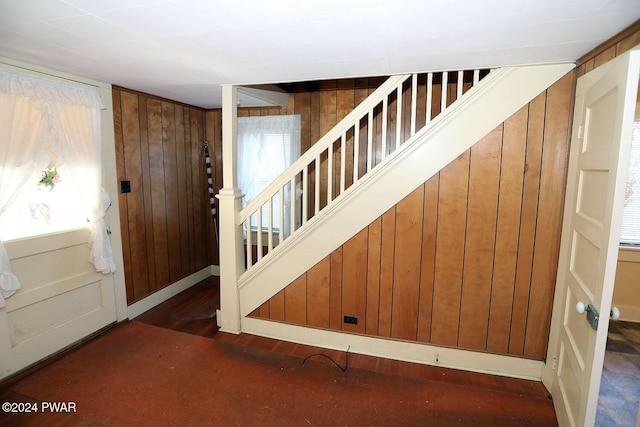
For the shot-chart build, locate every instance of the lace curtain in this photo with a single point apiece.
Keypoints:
(45, 122)
(267, 145)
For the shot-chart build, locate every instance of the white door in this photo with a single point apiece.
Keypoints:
(600, 143)
(62, 299)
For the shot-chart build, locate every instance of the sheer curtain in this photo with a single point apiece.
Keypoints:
(79, 128)
(45, 122)
(267, 145)
(22, 120)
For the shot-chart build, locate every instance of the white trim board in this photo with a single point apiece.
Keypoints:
(145, 304)
(506, 366)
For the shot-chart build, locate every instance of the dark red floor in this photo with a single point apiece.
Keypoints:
(144, 373)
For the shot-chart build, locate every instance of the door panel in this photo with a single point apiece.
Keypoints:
(605, 100)
(62, 299)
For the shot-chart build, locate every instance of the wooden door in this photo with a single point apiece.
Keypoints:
(601, 137)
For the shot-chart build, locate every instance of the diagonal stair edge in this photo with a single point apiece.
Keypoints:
(490, 103)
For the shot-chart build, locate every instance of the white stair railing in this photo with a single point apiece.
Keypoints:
(365, 137)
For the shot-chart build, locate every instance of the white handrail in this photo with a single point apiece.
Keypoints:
(329, 138)
(298, 173)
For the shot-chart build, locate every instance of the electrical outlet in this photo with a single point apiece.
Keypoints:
(352, 320)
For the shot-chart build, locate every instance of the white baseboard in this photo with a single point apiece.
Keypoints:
(145, 304)
(507, 366)
(215, 270)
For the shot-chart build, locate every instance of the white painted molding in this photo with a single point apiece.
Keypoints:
(398, 350)
(503, 93)
(145, 304)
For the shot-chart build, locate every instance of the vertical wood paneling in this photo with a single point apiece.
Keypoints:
(354, 281)
(507, 233)
(373, 276)
(158, 192)
(264, 311)
(550, 208)
(146, 194)
(189, 191)
(164, 219)
(181, 166)
(276, 306)
(328, 119)
(295, 298)
(216, 152)
(170, 175)
(604, 56)
(344, 105)
(122, 198)
(198, 182)
(134, 201)
(484, 177)
(318, 291)
(528, 220)
(377, 144)
(335, 292)
(469, 259)
(629, 42)
(392, 124)
(436, 97)
(302, 106)
(452, 220)
(428, 251)
(406, 272)
(615, 46)
(387, 258)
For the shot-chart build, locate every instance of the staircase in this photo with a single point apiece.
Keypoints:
(402, 134)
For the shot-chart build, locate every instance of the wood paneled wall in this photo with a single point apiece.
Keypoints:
(468, 260)
(617, 45)
(167, 229)
(321, 105)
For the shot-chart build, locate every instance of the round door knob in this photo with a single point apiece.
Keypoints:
(580, 308)
(615, 313)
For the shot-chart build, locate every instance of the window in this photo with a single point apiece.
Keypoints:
(630, 233)
(39, 208)
(50, 166)
(50, 173)
(267, 145)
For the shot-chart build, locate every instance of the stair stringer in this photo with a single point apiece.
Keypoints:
(499, 96)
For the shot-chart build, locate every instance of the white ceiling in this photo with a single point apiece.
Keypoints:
(184, 49)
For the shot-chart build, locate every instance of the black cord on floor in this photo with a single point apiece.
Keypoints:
(342, 368)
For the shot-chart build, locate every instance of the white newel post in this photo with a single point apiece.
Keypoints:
(230, 197)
